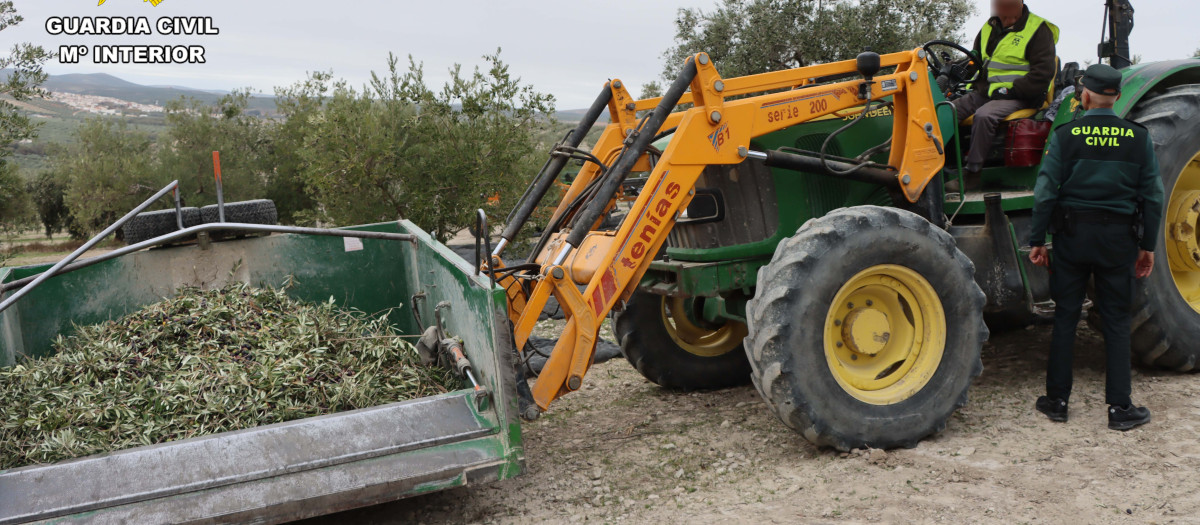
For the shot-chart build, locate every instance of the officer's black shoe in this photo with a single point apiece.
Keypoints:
(1054, 408)
(1127, 417)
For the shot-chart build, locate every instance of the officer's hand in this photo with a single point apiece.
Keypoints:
(1040, 256)
(1145, 264)
(1002, 94)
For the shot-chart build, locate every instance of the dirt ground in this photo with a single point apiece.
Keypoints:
(625, 450)
(39, 249)
(29, 260)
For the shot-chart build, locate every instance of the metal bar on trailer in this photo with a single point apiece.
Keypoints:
(86, 246)
(178, 210)
(60, 269)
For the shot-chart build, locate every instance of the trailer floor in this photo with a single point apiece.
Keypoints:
(622, 449)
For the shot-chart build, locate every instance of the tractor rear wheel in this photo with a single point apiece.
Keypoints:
(866, 329)
(1166, 305)
(663, 339)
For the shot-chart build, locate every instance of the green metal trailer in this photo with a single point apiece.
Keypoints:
(300, 468)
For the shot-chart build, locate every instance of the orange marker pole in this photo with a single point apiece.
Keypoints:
(220, 192)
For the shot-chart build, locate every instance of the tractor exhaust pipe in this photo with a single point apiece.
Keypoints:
(1118, 24)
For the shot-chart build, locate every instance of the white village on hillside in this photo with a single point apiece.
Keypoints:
(104, 105)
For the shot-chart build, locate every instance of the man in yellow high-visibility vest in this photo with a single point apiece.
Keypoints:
(1018, 50)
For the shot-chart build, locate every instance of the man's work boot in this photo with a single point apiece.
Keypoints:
(952, 185)
(1127, 417)
(1054, 408)
(974, 180)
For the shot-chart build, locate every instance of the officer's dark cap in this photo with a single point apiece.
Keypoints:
(1102, 79)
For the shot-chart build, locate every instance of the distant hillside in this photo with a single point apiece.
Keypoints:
(105, 85)
(575, 115)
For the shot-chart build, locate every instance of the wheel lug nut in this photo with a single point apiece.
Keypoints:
(854, 357)
(850, 306)
(870, 302)
(839, 344)
(837, 322)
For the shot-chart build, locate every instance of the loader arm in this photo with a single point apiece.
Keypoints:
(716, 129)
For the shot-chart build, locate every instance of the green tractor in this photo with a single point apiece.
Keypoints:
(787, 277)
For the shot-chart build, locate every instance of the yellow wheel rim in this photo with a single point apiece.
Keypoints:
(1182, 233)
(885, 334)
(699, 340)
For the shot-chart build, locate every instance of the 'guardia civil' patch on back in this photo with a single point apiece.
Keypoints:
(1105, 136)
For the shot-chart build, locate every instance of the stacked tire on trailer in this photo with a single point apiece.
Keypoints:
(151, 224)
(148, 225)
(260, 211)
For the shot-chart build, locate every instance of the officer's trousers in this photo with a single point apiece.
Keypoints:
(1106, 253)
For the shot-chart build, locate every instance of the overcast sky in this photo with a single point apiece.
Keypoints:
(564, 47)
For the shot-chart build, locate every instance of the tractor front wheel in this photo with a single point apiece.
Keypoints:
(665, 339)
(866, 329)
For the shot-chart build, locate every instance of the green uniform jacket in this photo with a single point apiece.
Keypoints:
(1099, 162)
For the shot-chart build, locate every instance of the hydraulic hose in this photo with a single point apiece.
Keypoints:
(641, 140)
(553, 168)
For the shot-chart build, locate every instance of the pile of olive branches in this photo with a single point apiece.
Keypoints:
(200, 363)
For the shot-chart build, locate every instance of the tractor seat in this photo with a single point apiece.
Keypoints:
(1016, 115)
(1028, 112)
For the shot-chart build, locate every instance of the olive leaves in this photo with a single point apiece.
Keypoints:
(201, 363)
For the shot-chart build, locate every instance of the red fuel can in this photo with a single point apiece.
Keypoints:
(1025, 142)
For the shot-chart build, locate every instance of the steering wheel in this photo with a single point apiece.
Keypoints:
(955, 67)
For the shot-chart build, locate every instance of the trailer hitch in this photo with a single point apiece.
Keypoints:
(435, 347)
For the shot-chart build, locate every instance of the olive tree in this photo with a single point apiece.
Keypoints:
(196, 130)
(399, 149)
(47, 192)
(21, 79)
(108, 169)
(756, 36)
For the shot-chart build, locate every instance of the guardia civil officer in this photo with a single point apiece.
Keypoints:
(1100, 195)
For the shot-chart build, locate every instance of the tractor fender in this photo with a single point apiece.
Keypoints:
(1139, 80)
(1142, 78)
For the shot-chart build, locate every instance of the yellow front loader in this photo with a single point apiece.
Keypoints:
(715, 122)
